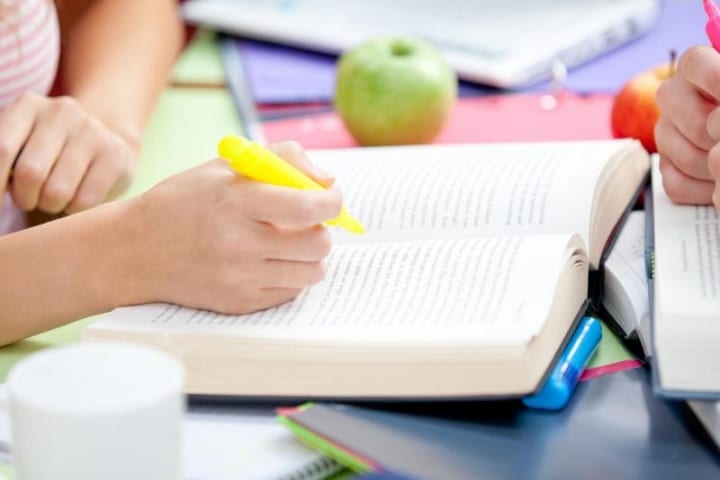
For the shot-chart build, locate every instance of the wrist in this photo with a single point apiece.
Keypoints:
(88, 265)
(121, 123)
(117, 243)
(130, 132)
(131, 260)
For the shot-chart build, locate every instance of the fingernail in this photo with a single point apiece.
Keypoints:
(323, 175)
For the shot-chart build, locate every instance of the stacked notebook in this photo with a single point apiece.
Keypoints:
(615, 427)
(662, 289)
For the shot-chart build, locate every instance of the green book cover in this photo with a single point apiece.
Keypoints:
(323, 445)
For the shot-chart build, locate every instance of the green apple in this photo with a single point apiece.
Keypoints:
(394, 90)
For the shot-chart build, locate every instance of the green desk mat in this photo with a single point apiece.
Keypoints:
(200, 63)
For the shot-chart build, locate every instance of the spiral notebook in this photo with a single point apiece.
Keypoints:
(227, 442)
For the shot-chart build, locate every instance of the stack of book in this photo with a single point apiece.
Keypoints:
(662, 291)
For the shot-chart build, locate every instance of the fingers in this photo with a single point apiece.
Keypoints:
(16, 123)
(257, 299)
(700, 65)
(290, 207)
(99, 179)
(284, 274)
(682, 188)
(66, 176)
(713, 124)
(689, 127)
(308, 245)
(687, 109)
(270, 297)
(294, 153)
(64, 158)
(54, 123)
(675, 147)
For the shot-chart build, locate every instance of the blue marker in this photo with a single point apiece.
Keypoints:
(558, 388)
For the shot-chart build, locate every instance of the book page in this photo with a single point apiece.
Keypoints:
(228, 442)
(686, 331)
(687, 255)
(626, 288)
(496, 289)
(493, 188)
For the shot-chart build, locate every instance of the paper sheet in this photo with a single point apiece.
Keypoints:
(495, 118)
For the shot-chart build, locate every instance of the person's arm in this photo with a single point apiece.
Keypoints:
(206, 238)
(117, 57)
(74, 152)
(63, 270)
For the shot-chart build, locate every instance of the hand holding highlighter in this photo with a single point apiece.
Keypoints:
(260, 164)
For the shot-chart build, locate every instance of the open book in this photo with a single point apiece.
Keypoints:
(467, 284)
(686, 310)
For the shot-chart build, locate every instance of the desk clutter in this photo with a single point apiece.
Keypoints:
(646, 410)
(610, 418)
(227, 442)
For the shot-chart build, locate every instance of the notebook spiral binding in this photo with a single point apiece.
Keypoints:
(322, 468)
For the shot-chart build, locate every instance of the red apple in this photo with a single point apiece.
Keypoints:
(635, 110)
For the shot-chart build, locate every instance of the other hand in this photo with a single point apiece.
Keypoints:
(685, 132)
(62, 159)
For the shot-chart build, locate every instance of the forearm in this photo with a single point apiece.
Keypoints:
(117, 58)
(66, 270)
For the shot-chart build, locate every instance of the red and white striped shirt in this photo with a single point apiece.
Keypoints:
(29, 55)
(29, 48)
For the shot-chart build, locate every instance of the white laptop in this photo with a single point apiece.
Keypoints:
(505, 43)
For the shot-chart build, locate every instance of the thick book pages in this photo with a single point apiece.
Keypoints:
(457, 318)
(686, 326)
(467, 284)
(508, 189)
(625, 296)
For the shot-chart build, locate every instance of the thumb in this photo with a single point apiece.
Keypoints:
(294, 154)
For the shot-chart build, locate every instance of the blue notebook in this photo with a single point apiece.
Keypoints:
(614, 427)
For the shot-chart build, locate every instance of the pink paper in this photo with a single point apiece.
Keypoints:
(496, 118)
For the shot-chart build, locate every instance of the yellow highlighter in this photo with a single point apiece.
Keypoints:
(258, 163)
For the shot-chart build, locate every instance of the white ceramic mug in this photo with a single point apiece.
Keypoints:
(103, 411)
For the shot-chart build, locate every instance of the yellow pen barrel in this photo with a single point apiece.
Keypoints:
(260, 164)
(257, 162)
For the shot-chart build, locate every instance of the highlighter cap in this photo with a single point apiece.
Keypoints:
(242, 155)
(263, 165)
(712, 29)
(260, 164)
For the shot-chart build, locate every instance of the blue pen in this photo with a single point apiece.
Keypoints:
(558, 388)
